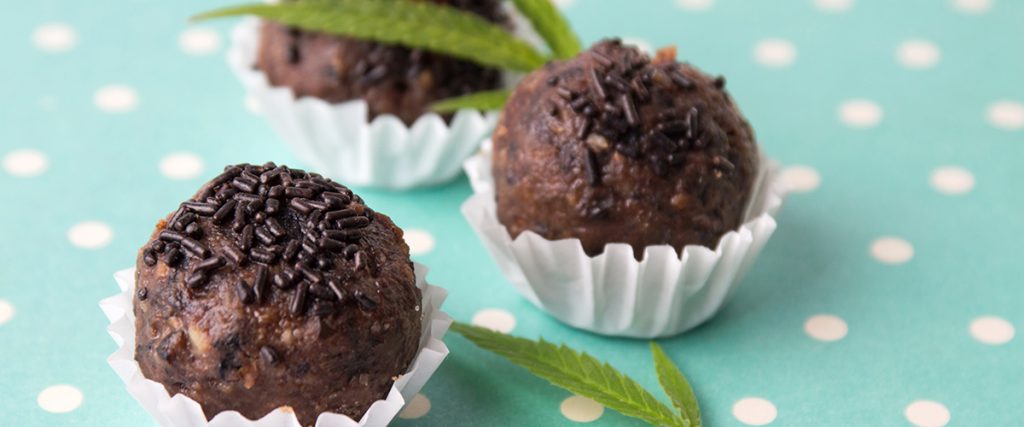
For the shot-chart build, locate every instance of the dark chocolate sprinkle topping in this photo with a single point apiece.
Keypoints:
(269, 356)
(286, 221)
(610, 94)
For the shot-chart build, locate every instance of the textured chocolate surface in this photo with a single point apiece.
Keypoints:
(613, 146)
(275, 287)
(392, 80)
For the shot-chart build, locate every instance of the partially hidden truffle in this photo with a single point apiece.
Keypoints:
(392, 79)
(614, 146)
(276, 287)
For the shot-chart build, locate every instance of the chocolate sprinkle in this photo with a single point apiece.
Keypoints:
(255, 208)
(269, 356)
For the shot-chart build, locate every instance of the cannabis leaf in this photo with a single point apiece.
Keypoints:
(676, 386)
(414, 24)
(486, 100)
(552, 26)
(577, 372)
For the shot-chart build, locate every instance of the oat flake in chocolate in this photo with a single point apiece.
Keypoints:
(392, 79)
(275, 287)
(613, 146)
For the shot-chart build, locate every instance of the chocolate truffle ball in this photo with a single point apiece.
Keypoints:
(275, 287)
(392, 79)
(613, 146)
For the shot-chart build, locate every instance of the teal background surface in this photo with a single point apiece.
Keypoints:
(909, 324)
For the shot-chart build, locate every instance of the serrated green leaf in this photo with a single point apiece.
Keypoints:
(552, 26)
(418, 25)
(676, 386)
(486, 100)
(577, 372)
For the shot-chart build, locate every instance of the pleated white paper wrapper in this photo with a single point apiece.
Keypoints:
(181, 411)
(339, 141)
(613, 293)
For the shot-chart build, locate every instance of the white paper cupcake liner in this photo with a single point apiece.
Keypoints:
(339, 141)
(613, 293)
(182, 411)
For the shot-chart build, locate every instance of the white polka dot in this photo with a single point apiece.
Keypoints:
(834, 5)
(116, 98)
(695, 4)
(860, 113)
(992, 330)
(1006, 115)
(54, 37)
(892, 250)
(420, 242)
(800, 179)
(416, 408)
(199, 41)
(6, 311)
(495, 319)
(25, 162)
(581, 409)
(952, 180)
(562, 4)
(60, 398)
(641, 44)
(754, 411)
(774, 53)
(926, 413)
(918, 54)
(825, 327)
(253, 105)
(47, 103)
(972, 7)
(90, 235)
(180, 166)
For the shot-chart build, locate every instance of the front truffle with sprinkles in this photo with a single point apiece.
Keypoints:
(276, 287)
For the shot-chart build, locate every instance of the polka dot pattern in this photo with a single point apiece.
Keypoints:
(952, 180)
(754, 411)
(800, 179)
(90, 235)
(992, 330)
(199, 41)
(860, 113)
(581, 409)
(495, 319)
(918, 54)
(972, 7)
(834, 6)
(892, 250)
(825, 327)
(927, 413)
(60, 398)
(181, 166)
(6, 311)
(54, 37)
(774, 53)
(116, 99)
(417, 407)
(420, 242)
(695, 5)
(1006, 115)
(25, 162)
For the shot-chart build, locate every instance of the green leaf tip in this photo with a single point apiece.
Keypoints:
(414, 24)
(486, 100)
(552, 27)
(577, 372)
(676, 386)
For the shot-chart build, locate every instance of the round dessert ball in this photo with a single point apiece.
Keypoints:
(392, 79)
(275, 287)
(613, 146)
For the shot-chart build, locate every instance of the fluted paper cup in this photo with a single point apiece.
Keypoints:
(181, 411)
(340, 141)
(612, 293)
